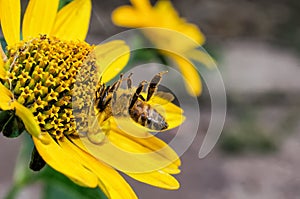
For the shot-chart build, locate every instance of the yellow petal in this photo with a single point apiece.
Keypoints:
(150, 143)
(29, 121)
(111, 58)
(172, 168)
(2, 70)
(166, 9)
(10, 20)
(201, 57)
(39, 17)
(190, 75)
(7, 103)
(111, 182)
(126, 155)
(154, 144)
(159, 179)
(128, 16)
(192, 31)
(6, 98)
(141, 5)
(173, 21)
(64, 162)
(72, 21)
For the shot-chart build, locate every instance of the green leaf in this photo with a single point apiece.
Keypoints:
(59, 186)
(4, 117)
(11, 126)
(3, 42)
(62, 3)
(37, 162)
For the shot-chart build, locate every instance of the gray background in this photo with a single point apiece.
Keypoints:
(256, 45)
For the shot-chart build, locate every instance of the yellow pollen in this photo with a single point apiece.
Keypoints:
(41, 73)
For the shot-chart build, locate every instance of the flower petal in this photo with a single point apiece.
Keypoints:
(166, 9)
(10, 20)
(137, 15)
(190, 75)
(6, 98)
(111, 58)
(72, 21)
(111, 182)
(159, 179)
(127, 16)
(152, 143)
(64, 162)
(29, 121)
(7, 103)
(201, 57)
(2, 70)
(193, 32)
(39, 17)
(126, 155)
(142, 5)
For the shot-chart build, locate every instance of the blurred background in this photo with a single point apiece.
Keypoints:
(257, 47)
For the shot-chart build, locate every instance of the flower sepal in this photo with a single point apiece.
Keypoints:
(10, 125)
(36, 162)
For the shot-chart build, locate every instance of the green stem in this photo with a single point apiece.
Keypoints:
(13, 192)
(17, 187)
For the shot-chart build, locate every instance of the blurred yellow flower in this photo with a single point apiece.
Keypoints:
(169, 25)
(37, 81)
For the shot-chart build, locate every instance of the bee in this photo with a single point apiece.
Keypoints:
(97, 106)
(113, 101)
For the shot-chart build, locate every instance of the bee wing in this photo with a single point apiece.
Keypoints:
(161, 98)
(111, 58)
(164, 95)
(105, 61)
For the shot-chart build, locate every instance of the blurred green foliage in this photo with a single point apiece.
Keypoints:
(55, 184)
(288, 31)
(245, 133)
(247, 139)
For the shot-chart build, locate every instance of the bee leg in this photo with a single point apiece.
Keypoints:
(101, 97)
(110, 89)
(137, 93)
(142, 97)
(153, 84)
(116, 85)
(129, 81)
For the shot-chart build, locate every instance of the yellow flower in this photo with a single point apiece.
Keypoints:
(38, 78)
(169, 26)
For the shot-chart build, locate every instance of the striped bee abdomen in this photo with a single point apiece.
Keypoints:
(145, 115)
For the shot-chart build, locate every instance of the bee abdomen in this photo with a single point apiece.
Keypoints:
(147, 116)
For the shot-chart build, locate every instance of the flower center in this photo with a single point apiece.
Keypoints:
(41, 73)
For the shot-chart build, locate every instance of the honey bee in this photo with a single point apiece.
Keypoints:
(98, 106)
(113, 101)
